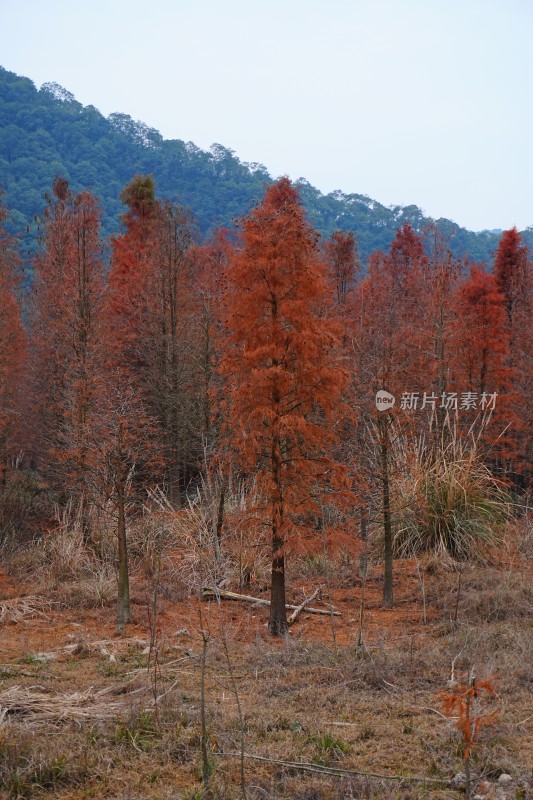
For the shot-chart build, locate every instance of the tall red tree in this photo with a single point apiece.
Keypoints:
(283, 383)
(513, 272)
(343, 264)
(66, 334)
(481, 334)
(481, 360)
(403, 343)
(12, 364)
(152, 315)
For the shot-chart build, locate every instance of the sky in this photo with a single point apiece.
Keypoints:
(424, 102)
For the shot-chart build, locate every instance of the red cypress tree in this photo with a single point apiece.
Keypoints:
(343, 264)
(152, 319)
(481, 336)
(402, 342)
(13, 354)
(131, 266)
(283, 383)
(513, 272)
(66, 334)
(209, 264)
(480, 363)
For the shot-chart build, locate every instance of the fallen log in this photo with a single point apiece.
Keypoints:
(297, 611)
(246, 598)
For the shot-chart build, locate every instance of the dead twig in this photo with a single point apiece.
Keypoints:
(342, 773)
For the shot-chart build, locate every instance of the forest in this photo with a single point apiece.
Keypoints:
(45, 132)
(318, 470)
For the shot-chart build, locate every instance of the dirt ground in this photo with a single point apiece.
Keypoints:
(84, 713)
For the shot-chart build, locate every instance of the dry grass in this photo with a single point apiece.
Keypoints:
(450, 503)
(36, 706)
(19, 609)
(327, 724)
(108, 717)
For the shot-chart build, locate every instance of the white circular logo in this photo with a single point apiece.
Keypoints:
(384, 400)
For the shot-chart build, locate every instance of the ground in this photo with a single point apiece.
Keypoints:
(84, 713)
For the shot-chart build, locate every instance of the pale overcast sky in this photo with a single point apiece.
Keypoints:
(408, 101)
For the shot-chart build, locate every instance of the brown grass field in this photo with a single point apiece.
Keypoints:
(86, 714)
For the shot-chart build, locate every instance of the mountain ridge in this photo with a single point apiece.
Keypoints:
(46, 131)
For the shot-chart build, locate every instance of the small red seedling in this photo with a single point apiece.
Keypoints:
(465, 701)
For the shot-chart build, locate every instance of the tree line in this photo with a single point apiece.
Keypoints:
(45, 132)
(257, 354)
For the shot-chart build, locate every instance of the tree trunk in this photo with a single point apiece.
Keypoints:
(363, 558)
(219, 525)
(175, 483)
(278, 625)
(388, 595)
(123, 601)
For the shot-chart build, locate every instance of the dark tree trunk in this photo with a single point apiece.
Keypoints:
(219, 524)
(388, 594)
(278, 614)
(123, 601)
(363, 558)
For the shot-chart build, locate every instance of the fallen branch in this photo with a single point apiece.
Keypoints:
(297, 611)
(246, 598)
(342, 773)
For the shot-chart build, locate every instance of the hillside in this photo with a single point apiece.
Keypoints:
(47, 132)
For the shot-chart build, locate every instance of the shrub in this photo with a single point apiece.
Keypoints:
(453, 505)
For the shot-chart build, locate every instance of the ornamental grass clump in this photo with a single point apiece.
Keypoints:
(452, 504)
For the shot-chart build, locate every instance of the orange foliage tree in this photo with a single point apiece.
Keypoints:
(12, 366)
(481, 336)
(387, 355)
(343, 264)
(153, 315)
(283, 384)
(481, 369)
(513, 272)
(66, 335)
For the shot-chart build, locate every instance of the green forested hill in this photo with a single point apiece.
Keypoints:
(47, 132)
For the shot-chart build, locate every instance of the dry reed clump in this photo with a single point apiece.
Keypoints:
(38, 706)
(18, 609)
(183, 550)
(74, 567)
(73, 548)
(449, 502)
(198, 546)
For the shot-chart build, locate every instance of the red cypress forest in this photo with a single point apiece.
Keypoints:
(265, 443)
